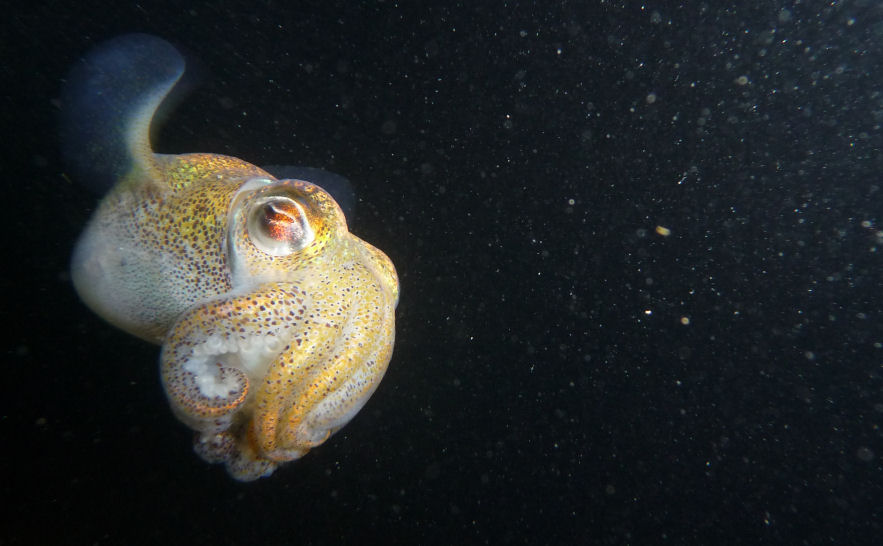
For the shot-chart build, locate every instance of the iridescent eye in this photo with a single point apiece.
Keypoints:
(279, 226)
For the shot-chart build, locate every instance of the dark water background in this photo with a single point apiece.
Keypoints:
(563, 373)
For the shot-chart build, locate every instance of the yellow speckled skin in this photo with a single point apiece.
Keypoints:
(276, 323)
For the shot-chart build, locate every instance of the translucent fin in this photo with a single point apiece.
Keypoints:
(108, 102)
(340, 188)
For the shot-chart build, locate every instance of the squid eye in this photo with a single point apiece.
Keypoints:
(279, 226)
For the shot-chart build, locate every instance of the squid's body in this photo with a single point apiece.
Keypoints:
(276, 323)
